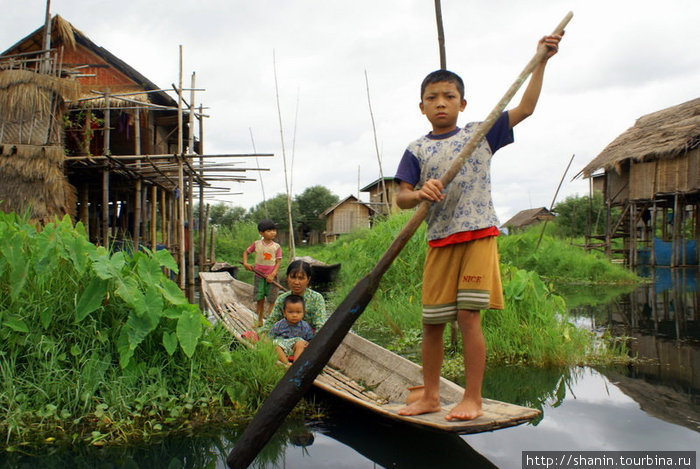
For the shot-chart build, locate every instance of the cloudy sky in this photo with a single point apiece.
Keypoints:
(619, 60)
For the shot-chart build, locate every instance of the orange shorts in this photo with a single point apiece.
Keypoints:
(463, 276)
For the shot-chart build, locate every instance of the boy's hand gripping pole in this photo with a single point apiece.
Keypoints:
(301, 375)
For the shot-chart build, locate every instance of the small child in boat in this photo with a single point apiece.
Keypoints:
(292, 334)
(268, 259)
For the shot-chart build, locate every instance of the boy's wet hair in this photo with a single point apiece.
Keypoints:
(293, 299)
(266, 224)
(442, 75)
(299, 266)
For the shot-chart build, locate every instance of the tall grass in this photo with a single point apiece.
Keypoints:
(99, 348)
(556, 258)
(533, 328)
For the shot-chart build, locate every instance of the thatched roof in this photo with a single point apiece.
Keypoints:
(661, 134)
(529, 217)
(65, 33)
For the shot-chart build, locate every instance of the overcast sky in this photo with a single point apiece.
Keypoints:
(619, 60)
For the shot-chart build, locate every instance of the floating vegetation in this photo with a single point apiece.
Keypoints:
(101, 348)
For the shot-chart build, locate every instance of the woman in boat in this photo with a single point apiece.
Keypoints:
(298, 278)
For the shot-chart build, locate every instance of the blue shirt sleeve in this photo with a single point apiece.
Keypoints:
(409, 169)
(501, 134)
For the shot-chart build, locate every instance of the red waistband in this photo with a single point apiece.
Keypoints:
(463, 237)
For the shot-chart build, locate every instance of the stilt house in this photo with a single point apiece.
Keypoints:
(83, 133)
(651, 172)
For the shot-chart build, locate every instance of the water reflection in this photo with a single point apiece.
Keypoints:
(661, 320)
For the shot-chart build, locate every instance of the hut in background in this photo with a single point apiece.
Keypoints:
(345, 216)
(382, 197)
(652, 173)
(526, 218)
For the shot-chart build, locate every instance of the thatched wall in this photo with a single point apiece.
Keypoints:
(32, 179)
(31, 149)
(32, 105)
(666, 176)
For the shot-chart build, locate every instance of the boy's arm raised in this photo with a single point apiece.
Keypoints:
(534, 86)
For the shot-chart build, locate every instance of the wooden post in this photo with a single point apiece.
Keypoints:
(632, 252)
(202, 231)
(136, 235)
(154, 204)
(84, 207)
(164, 221)
(203, 234)
(190, 200)
(180, 185)
(105, 175)
(654, 216)
(213, 244)
(674, 232)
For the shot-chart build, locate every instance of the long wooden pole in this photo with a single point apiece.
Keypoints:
(292, 253)
(554, 199)
(441, 35)
(301, 375)
(181, 186)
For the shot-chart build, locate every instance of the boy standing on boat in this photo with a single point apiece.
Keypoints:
(461, 273)
(292, 334)
(268, 258)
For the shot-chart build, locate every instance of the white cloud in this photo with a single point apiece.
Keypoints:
(619, 60)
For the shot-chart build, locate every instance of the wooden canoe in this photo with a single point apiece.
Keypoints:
(362, 372)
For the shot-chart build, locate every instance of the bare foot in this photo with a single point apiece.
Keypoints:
(465, 410)
(421, 406)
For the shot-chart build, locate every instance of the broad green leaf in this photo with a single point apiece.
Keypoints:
(91, 299)
(17, 260)
(172, 292)
(124, 348)
(154, 301)
(170, 342)
(107, 267)
(77, 250)
(129, 291)
(166, 260)
(15, 323)
(148, 269)
(189, 330)
(139, 326)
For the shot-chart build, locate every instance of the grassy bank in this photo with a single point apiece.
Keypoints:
(99, 347)
(533, 328)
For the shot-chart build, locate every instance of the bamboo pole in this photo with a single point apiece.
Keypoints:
(180, 184)
(554, 199)
(376, 148)
(441, 35)
(189, 236)
(84, 207)
(137, 206)
(154, 225)
(257, 163)
(105, 173)
(292, 251)
(202, 232)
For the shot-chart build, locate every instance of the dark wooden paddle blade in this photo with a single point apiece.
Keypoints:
(301, 375)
